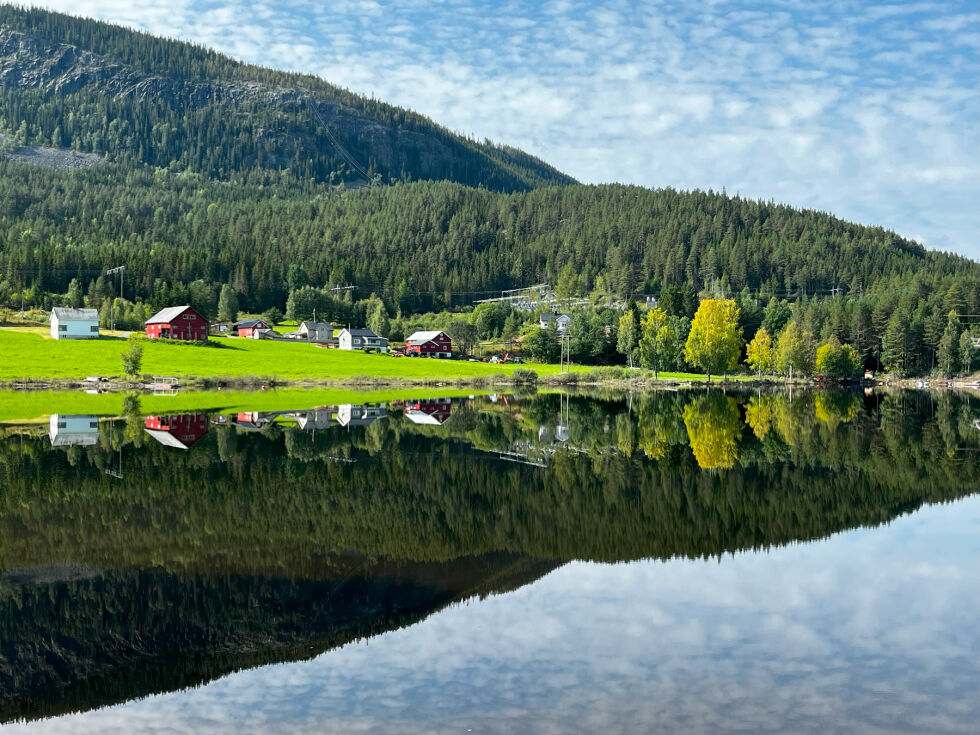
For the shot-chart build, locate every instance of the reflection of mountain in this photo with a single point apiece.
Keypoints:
(629, 483)
(76, 641)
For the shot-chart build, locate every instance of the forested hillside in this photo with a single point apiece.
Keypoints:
(219, 174)
(90, 86)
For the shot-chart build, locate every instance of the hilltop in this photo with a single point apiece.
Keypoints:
(94, 87)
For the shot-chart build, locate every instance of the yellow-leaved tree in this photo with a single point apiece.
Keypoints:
(715, 340)
(760, 355)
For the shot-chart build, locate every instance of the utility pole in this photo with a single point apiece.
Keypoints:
(111, 272)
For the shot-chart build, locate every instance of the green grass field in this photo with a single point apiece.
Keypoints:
(25, 354)
(27, 407)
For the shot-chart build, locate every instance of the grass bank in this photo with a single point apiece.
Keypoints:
(26, 355)
(29, 406)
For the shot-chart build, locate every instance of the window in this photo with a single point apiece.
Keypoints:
(94, 328)
(188, 316)
(62, 327)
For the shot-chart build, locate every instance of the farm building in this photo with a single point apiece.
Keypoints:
(74, 323)
(321, 332)
(247, 327)
(70, 431)
(177, 322)
(180, 432)
(432, 411)
(561, 321)
(361, 339)
(429, 344)
(360, 415)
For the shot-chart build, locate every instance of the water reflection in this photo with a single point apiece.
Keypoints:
(142, 554)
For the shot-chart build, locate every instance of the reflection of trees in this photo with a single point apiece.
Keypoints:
(714, 428)
(836, 407)
(758, 414)
(438, 492)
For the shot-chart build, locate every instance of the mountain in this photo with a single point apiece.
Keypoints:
(196, 171)
(77, 83)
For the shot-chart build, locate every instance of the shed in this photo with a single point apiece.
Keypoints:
(429, 344)
(74, 323)
(177, 322)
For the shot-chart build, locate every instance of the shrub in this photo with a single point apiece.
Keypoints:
(524, 376)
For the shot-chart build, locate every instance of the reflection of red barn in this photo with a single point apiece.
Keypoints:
(177, 322)
(429, 344)
(180, 432)
(252, 420)
(434, 411)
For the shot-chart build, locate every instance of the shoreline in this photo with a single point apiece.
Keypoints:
(580, 378)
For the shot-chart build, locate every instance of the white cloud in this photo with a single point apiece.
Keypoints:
(872, 630)
(828, 103)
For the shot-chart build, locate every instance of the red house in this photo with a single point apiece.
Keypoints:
(248, 327)
(429, 344)
(180, 432)
(177, 322)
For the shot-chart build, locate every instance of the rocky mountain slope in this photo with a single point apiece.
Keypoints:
(71, 82)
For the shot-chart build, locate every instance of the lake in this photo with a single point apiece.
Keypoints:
(671, 562)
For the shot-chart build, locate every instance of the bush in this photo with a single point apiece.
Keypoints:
(566, 378)
(524, 376)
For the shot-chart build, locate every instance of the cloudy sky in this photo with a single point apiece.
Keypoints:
(869, 110)
(870, 631)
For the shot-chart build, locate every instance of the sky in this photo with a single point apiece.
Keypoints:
(867, 110)
(873, 630)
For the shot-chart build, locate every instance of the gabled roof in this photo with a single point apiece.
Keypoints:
(165, 316)
(359, 332)
(75, 315)
(167, 439)
(246, 323)
(425, 336)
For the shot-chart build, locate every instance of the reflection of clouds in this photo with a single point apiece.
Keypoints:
(873, 630)
(840, 105)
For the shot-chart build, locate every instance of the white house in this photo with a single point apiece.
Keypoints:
(74, 323)
(77, 430)
(360, 415)
(561, 321)
(361, 339)
(321, 332)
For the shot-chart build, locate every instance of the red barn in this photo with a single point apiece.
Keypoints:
(429, 344)
(177, 322)
(180, 431)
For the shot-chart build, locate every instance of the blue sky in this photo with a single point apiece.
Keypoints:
(868, 110)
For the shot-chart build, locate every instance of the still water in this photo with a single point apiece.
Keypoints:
(672, 562)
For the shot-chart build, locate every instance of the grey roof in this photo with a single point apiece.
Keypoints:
(359, 332)
(316, 325)
(74, 315)
(168, 314)
(249, 323)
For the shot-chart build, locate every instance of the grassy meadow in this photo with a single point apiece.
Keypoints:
(26, 354)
